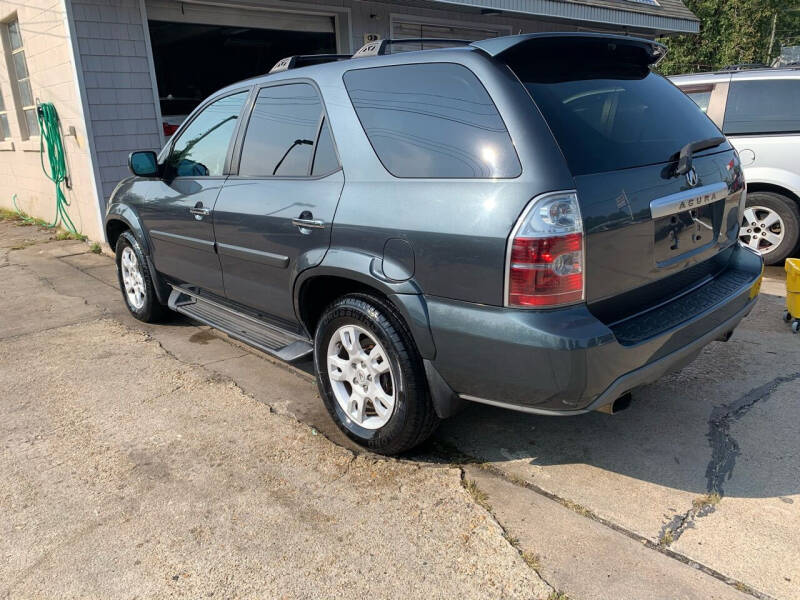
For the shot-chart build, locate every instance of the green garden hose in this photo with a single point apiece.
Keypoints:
(50, 136)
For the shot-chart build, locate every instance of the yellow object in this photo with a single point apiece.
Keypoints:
(793, 287)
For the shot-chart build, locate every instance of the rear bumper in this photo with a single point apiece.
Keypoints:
(566, 361)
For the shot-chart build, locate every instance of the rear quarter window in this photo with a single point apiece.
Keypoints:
(432, 120)
(763, 106)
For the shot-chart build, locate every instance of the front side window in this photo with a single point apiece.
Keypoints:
(281, 136)
(763, 106)
(432, 120)
(5, 132)
(21, 79)
(202, 147)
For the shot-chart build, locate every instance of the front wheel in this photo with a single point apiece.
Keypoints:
(135, 281)
(370, 375)
(770, 225)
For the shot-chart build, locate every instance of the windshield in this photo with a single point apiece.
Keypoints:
(616, 118)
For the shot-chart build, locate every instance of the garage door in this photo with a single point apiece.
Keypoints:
(198, 49)
(411, 28)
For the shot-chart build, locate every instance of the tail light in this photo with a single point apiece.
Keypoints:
(545, 262)
(169, 128)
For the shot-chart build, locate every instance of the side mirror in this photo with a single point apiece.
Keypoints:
(143, 163)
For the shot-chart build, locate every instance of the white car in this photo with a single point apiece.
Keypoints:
(759, 111)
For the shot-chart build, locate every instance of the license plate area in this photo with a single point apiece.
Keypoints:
(688, 232)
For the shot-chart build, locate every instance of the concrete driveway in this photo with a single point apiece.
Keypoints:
(691, 493)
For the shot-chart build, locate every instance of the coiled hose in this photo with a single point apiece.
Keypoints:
(50, 137)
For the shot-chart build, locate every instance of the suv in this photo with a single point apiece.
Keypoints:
(759, 111)
(448, 225)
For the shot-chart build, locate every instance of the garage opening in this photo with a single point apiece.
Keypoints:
(193, 60)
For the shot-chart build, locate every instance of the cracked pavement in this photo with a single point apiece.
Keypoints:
(592, 496)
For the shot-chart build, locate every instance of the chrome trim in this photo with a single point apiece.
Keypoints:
(688, 199)
(510, 244)
(308, 223)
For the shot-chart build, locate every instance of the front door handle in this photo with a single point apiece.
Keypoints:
(199, 211)
(308, 223)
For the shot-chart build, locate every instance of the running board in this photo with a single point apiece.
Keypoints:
(267, 338)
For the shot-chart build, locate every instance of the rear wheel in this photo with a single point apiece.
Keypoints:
(770, 225)
(370, 375)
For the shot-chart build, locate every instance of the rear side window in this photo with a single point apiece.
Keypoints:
(432, 120)
(607, 110)
(701, 97)
(325, 160)
(763, 106)
(282, 133)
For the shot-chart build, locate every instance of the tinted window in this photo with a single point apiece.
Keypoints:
(325, 160)
(282, 131)
(701, 98)
(766, 106)
(607, 110)
(202, 147)
(432, 120)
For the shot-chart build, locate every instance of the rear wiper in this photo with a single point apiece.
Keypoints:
(685, 155)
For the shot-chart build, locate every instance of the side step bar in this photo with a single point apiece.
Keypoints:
(267, 338)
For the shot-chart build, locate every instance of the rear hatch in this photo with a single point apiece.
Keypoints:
(652, 232)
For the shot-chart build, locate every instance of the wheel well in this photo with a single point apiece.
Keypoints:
(114, 229)
(776, 189)
(318, 292)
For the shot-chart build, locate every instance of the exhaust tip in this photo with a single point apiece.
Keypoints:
(618, 405)
(725, 336)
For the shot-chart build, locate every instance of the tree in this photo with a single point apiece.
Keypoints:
(731, 32)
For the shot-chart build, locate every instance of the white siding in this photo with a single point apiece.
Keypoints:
(119, 86)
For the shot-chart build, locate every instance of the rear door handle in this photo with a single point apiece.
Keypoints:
(308, 223)
(200, 211)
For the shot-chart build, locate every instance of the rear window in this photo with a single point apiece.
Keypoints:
(432, 120)
(763, 106)
(608, 116)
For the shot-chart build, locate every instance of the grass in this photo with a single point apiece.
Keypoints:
(532, 560)
(557, 596)
(478, 495)
(706, 501)
(68, 235)
(666, 538)
(95, 247)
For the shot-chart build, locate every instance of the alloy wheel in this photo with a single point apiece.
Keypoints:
(762, 229)
(132, 278)
(361, 376)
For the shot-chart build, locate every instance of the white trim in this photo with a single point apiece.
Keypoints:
(148, 48)
(411, 18)
(83, 108)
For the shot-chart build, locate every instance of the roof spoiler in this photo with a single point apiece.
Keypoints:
(497, 47)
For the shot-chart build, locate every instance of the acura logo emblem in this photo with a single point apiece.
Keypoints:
(691, 177)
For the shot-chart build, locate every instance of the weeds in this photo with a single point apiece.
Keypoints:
(95, 248)
(532, 560)
(557, 596)
(667, 538)
(706, 501)
(478, 495)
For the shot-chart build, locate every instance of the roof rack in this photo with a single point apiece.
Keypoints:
(303, 60)
(745, 67)
(379, 47)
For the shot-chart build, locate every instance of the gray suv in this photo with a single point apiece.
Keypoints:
(538, 222)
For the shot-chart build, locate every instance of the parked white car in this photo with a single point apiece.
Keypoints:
(759, 111)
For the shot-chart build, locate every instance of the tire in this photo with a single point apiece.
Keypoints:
(762, 207)
(142, 301)
(377, 328)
